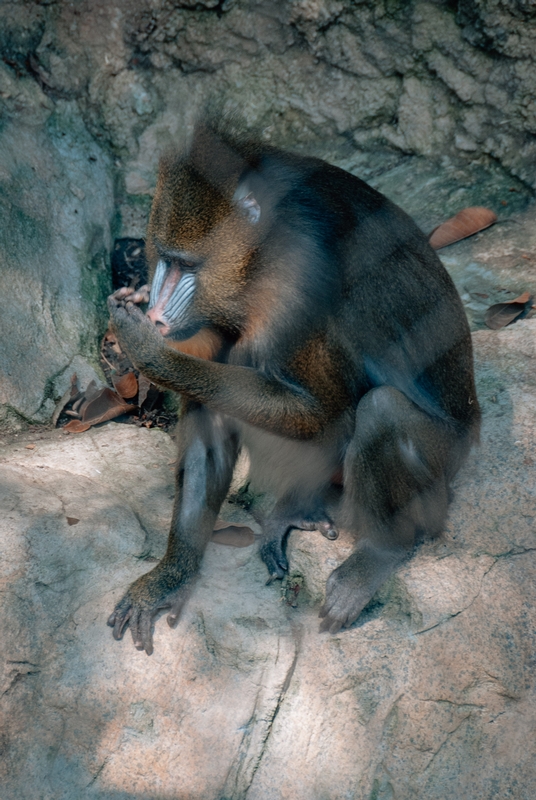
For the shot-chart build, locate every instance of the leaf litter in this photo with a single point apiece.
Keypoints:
(502, 314)
(465, 223)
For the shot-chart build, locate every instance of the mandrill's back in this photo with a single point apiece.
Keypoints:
(383, 295)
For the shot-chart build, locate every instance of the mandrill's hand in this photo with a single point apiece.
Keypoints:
(162, 588)
(129, 295)
(137, 335)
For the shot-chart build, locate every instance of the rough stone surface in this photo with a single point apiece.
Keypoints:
(496, 265)
(431, 694)
(421, 77)
(56, 204)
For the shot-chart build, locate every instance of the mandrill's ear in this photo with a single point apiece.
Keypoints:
(246, 203)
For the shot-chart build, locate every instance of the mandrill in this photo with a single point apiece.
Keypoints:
(301, 315)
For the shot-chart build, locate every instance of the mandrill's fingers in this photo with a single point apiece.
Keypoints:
(120, 617)
(330, 625)
(133, 625)
(137, 335)
(126, 295)
(175, 603)
(145, 635)
(139, 622)
(141, 295)
(146, 597)
(120, 623)
(121, 293)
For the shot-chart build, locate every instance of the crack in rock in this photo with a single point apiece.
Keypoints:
(257, 733)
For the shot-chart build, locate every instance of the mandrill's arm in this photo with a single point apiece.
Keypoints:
(240, 392)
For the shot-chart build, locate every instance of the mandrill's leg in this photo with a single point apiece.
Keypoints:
(207, 455)
(397, 470)
(291, 512)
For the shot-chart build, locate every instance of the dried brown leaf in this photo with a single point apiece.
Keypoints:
(232, 535)
(126, 386)
(77, 426)
(90, 394)
(464, 223)
(502, 314)
(106, 405)
(74, 385)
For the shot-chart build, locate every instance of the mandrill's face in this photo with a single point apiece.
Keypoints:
(199, 243)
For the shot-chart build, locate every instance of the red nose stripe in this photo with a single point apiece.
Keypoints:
(157, 312)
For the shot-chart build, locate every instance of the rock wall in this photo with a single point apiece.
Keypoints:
(92, 91)
(56, 205)
(422, 77)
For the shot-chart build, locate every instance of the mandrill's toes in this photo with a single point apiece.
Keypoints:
(332, 623)
(276, 562)
(275, 576)
(328, 530)
(329, 624)
(346, 598)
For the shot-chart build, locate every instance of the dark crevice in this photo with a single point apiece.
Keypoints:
(18, 677)
(36, 71)
(279, 703)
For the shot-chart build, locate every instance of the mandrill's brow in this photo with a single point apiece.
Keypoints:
(173, 254)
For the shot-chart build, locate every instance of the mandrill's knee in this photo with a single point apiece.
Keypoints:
(384, 409)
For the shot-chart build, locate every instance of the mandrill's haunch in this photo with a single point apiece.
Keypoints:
(301, 315)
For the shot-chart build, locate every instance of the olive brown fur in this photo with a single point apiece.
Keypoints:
(319, 330)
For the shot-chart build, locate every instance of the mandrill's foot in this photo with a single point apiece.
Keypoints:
(276, 530)
(351, 586)
(273, 555)
(323, 524)
(162, 588)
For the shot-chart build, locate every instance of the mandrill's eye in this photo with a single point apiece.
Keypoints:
(189, 263)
